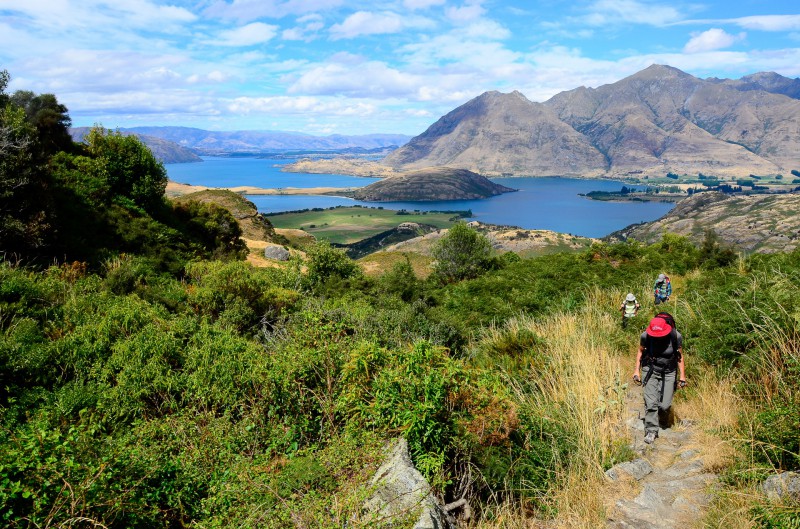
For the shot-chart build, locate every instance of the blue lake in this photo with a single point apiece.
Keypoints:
(258, 172)
(541, 203)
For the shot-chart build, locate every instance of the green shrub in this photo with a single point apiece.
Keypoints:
(326, 263)
(462, 253)
(235, 294)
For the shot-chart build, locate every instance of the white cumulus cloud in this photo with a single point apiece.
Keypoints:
(369, 23)
(606, 12)
(249, 35)
(713, 39)
(353, 76)
(768, 22)
(472, 10)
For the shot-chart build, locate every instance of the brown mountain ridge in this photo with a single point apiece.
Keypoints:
(656, 121)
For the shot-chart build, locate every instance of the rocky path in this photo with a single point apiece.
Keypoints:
(667, 485)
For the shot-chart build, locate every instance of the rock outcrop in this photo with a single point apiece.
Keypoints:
(785, 485)
(400, 492)
(276, 252)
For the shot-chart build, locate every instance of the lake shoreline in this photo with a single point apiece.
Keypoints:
(176, 189)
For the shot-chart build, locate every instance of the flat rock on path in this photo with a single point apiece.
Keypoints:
(667, 486)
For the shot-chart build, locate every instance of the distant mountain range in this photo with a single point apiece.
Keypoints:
(254, 141)
(656, 121)
(184, 144)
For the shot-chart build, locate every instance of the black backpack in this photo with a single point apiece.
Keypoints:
(667, 317)
(650, 357)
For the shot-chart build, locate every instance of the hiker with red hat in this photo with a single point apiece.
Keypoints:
(660, 357)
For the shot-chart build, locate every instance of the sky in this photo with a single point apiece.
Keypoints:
(360, 67)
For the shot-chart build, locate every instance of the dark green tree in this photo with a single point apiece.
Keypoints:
(461, 254)
(49, 117)
(24, 219)
(133, 171)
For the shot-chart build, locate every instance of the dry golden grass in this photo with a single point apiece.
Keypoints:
(297, 238)
(378, 263)
(713, 405)
(586, 379)
(732, 510)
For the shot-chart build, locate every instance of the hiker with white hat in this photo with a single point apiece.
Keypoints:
(629, 308)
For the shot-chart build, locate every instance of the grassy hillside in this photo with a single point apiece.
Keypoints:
(753, 223)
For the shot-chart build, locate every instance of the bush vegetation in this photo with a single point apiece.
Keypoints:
(153, 379)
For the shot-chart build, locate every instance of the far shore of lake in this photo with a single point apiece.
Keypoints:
(175, 189)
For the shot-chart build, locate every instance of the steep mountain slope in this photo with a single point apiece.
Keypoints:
(438, 183)
(498, 134)
(656, 121)
(754, 223)
(664, 120)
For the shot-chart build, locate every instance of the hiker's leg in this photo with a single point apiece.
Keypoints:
(664, 407)
(652, 391)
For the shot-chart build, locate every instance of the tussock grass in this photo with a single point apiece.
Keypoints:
(378, 263)
(715, 407)
(764, 390)
(584, 382)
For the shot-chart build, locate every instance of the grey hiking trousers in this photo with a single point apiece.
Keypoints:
(653, 403)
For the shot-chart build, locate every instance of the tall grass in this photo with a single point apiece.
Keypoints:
(582, 382)
(764, 423)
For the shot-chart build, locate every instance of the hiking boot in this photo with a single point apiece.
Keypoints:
(649, 437)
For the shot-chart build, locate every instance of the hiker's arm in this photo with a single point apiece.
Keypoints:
(680, 365)
(638, 361)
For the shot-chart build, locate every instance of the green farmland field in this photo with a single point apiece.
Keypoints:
(351, 224)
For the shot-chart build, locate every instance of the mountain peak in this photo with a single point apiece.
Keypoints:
(661, 71)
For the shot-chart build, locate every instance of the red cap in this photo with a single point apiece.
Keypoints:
(658, 328)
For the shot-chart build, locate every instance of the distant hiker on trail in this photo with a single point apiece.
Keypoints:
(660, 355)
(629, 308)
(662, 290)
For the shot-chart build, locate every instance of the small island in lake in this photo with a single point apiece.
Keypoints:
(433, 184)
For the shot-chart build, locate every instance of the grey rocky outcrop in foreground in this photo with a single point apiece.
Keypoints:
(400, 492)
(782, 486)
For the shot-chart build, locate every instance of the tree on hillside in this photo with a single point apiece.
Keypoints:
(49, 117)
(132, 170)
(24, 223)
(461, 254)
